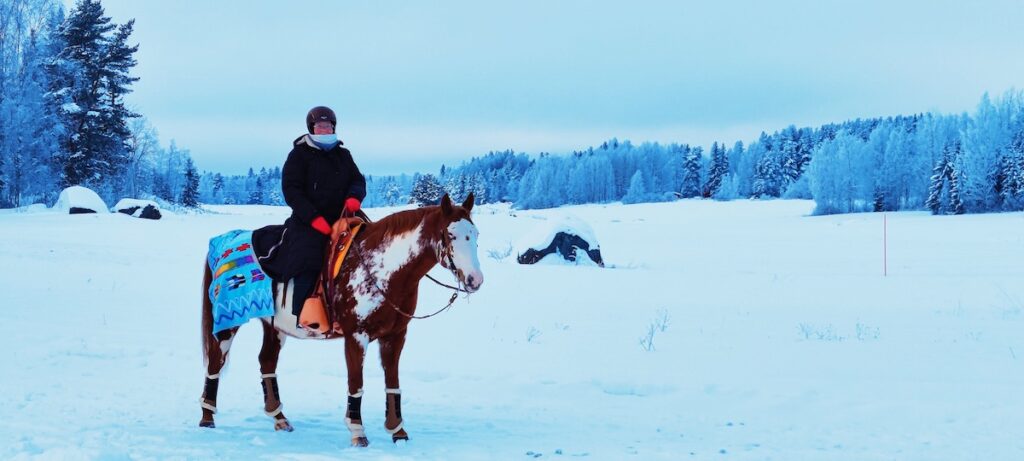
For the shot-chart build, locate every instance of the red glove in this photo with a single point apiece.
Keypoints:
(321, 226)
(352, 205)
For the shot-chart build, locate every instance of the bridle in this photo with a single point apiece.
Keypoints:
(446, 260)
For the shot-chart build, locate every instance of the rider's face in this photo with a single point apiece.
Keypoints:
(323, 127)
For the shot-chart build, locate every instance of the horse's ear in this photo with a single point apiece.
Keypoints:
(468, 204)
(446, 205)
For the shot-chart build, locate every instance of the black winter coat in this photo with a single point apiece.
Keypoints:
(315, 183)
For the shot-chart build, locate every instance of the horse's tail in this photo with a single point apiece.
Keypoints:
(207, 315)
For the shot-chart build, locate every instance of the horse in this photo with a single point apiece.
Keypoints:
(373, 298)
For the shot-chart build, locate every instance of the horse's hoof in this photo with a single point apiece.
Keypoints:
(207, 424)
(283, 425)
(360, 442)
(399, 438)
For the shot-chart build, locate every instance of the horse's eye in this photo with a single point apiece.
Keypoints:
(467, 237)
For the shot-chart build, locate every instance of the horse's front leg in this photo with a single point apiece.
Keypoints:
(272, 343)
(355, 353)
(390, 353)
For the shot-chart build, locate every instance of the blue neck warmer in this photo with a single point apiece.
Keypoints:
(325, 141)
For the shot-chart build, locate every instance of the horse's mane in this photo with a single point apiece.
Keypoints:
(399, 222)
(402, 222)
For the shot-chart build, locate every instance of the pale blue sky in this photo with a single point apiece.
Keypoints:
(416, 84)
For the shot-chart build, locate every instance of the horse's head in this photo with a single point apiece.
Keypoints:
(457, 251)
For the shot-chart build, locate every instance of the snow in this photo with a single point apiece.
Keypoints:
(127, 203)
(80, 197)
(69, 107)
(773, 335)
(545, 229)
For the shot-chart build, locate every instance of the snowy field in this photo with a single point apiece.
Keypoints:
(775, 337)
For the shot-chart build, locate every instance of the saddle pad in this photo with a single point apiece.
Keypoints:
(240, 291)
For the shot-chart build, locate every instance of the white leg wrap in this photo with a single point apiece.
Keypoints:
(273, 414)
(394, 431)
(355, 429)
(357, 394)
(203, 403)
(268, 375)
(214, 376)
(393, 391)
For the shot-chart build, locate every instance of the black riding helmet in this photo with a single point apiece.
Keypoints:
(320, 113)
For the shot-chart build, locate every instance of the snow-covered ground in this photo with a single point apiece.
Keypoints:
(775, 336)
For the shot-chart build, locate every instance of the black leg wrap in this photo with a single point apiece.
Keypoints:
(273, 384)
(210, 389)
(398, 406)
(354, 411)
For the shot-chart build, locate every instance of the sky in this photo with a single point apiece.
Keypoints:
(418, 84)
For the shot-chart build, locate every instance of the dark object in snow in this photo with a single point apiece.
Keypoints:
(144, 209)
(149, 212)
(566, 245)
(78, 210)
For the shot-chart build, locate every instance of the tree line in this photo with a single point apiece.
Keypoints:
(948, 164)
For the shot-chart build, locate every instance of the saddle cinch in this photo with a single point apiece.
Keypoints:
(314, 315)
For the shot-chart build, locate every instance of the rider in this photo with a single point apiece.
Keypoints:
(321, 183)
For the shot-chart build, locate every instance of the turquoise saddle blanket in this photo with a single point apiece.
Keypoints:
(240, 290)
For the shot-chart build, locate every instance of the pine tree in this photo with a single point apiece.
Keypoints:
(392, 193)
(256, 193)
(218, 184)
(190, 192)
(90, 75)
(692, 163)
(427, 190)
(945, 174)
(769, 175)
(1012, 172)
(956, 203)
(719, 168)
(478, 186)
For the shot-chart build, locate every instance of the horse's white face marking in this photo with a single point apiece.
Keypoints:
(463, 236)
(370, 278)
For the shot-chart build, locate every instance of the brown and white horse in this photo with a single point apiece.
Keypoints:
(374, 297)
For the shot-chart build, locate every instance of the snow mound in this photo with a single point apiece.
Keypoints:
(146, 209)
(565, 236)
(78, 199)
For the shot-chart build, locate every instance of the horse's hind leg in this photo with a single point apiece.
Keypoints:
(390, 353)
(272, 342)
(215, 358)
(215, 353)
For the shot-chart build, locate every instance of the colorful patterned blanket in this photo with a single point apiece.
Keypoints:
(240, 291)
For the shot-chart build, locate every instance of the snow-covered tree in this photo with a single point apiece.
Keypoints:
(91, 76)
(637, 191)
(718, 169)
(426, 190)
(190, 190)
(692, 165)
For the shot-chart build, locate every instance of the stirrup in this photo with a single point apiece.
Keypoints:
(313, 316)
